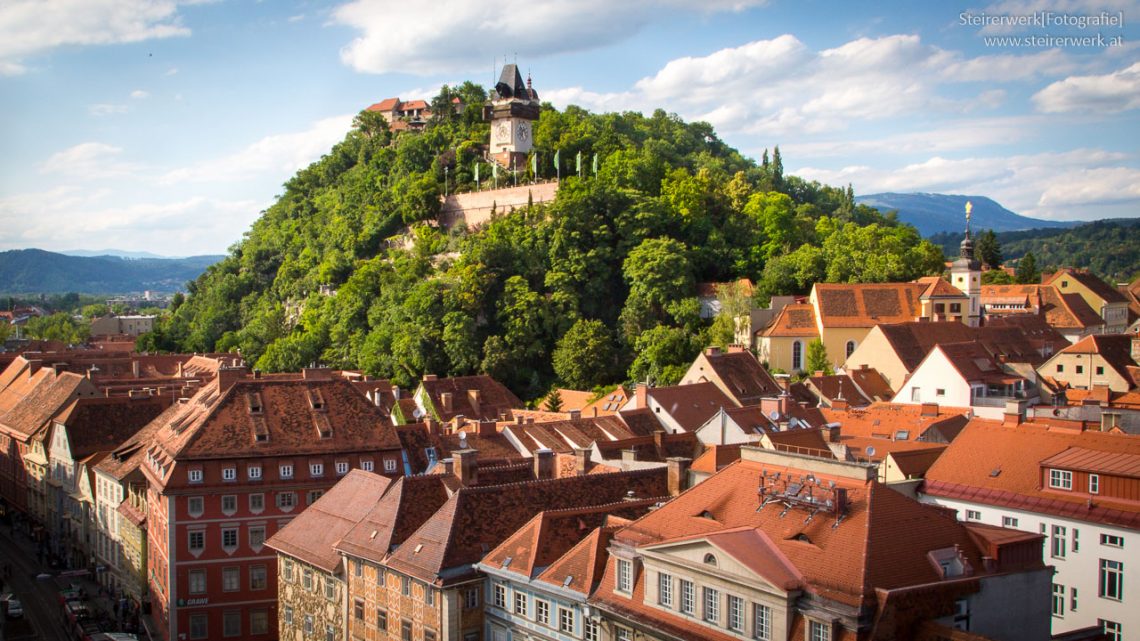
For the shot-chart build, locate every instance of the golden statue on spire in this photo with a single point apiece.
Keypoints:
(969, 208)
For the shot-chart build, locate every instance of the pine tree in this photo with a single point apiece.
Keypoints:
(1027, 272)
(777, 166)
(989, 249)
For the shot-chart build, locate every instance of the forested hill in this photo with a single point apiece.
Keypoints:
(37, 271)
(1108, 248)
(597, 287)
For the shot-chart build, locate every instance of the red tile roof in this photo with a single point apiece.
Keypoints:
(387, 104)
(996, 465)
(400, 511)
(975, 364)
(494, 398)
(313, 534)
(744, 379)
(1115, 349)
(580, 568)
(103, 424)
(867, 305)
(886, 420)
(936, 287)
(690, 405)
(1106, 292)
(1068, 311)
(794, 320)
(52, 393)
(871, 383)
(832, 387)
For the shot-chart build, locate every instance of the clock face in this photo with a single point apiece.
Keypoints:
(523, 131)
(504, 132)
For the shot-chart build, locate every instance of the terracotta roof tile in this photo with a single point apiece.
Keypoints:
(103, 424)
(690, 405)
(313, 535)
(494, 398)
(1097, 286)
(867, 305)
(1115, 349)
(400, 511)
(871, 383)
(1067, 311)
(794, 320)
(51, 394)
(887, 420)
(745, 380)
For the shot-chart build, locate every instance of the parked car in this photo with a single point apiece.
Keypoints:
(15, 608)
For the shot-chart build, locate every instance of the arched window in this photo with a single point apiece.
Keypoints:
(797, 355)
(850, 348)
(710, 560)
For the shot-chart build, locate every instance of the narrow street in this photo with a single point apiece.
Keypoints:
(42, 618)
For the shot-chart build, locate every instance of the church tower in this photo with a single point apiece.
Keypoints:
(966, 274)
(512, 110)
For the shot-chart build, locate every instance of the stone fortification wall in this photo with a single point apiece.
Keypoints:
(474, 208)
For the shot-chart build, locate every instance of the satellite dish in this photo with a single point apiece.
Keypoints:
(774, 415)
(417, 413)
(463, 439)
(870, 450)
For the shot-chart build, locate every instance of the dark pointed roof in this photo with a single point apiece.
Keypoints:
(511, 85)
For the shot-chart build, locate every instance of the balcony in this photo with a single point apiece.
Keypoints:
(999, 400)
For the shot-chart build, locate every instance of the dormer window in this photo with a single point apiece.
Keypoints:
(195, 475)
(1061, 479)
(254, 472)
(285, 470)
(316, 401)
(316, 469)
(624, 576)
(342, 467)
(710, 559)
(229, 473)
(253, 401)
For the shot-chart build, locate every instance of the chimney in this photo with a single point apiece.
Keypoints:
(678, 474)
(227, 376)
(448, 466)
(473, 397)
(839, 404)
(256, 374)
(445, 400)
(432, 426)
(712, 351)
(575, 414)
(582, 463)
(34, 366)
(179, 369)
(929, 409)
(833, 433)
(736, 348)
(376, 397)
(430, 377)
(1014, 413)
(488, 428)
(639, 394)
(544, 464)
(466, 467)
(396, 392)
(519, 419)
(628, 457)
(135, 368)
(314, 373)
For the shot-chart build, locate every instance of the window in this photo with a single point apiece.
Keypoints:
(429, 635)
(231, 579)
(1058, 547)
(366, 464)
(380, 576)
(195, 505)
(195, 475)
(1058, 600)
(1072, 599)
(316, 470)
(288, 615)
(256, 502)
(973, 515)
(565, 620)
(358, 609)
(199, 626)
(313, 495)
(229, 473)
(955, 308)
(916, 394)
(590, 631)
(1061, 479)
(330, 633)
(1099, 370)
(257, 536)
(231, 624)
(624, 575)
(712, 605)
(1112, 579)
(381, 619)
(330, 589)
(1076, 540)
(622, 634)
(939, 392)
(850, 348)
(406, 630)
(285, 471)
(257, 577)
(1060, 368)
(229, 504)
(500, 596)
(797, 355)
(1094, 483)
(665, 590)
(1009, 521)
(342, 467)
(406, 586)
(1080, 369)
(286, 500)
(307, 579)
(288, 570)
(429, 595)
(308, 624)
(520, 603)
(1112, 630)
(1112, 540)
(259, 622)
(357, 568)
(761, 622)
(818, 631)
(688, 597)
(389, 465)
(197, 581)
(197, 540)
(542, 611)
(471, 598)
(735, 613)
(229, 537)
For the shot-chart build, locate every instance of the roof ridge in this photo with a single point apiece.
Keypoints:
(564, 479)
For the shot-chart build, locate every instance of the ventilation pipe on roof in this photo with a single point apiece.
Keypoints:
(445, 400)
(582, 463)
(544, 464)
(474, 398)
(678, 474)
(576, 414)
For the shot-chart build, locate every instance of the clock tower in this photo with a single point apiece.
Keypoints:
(512, 110)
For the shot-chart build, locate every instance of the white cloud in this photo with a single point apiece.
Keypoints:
(281, 154)
(171, 71)
(297, 18)
(30, 27)
(88, 161)
(780, 86)
(139, 94)
(106, 109)
(1109, 93)
(1072, 185)
(460, 35)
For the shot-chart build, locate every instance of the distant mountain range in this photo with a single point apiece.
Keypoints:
(934, 213)
(119, 253)
(24, 271)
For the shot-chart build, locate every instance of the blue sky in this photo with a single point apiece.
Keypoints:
(168, 125)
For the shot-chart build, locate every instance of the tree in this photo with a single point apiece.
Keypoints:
(996, 277)
(58, 327)
(554, 401)
(817, 360)
(1027, 272)
(663, 355)
(989, 249)
(584, 357)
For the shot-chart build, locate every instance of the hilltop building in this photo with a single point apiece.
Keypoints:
(512, 110)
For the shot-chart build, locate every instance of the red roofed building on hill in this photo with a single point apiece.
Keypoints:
(229, 467)
(783, 547)
(1075, 486)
